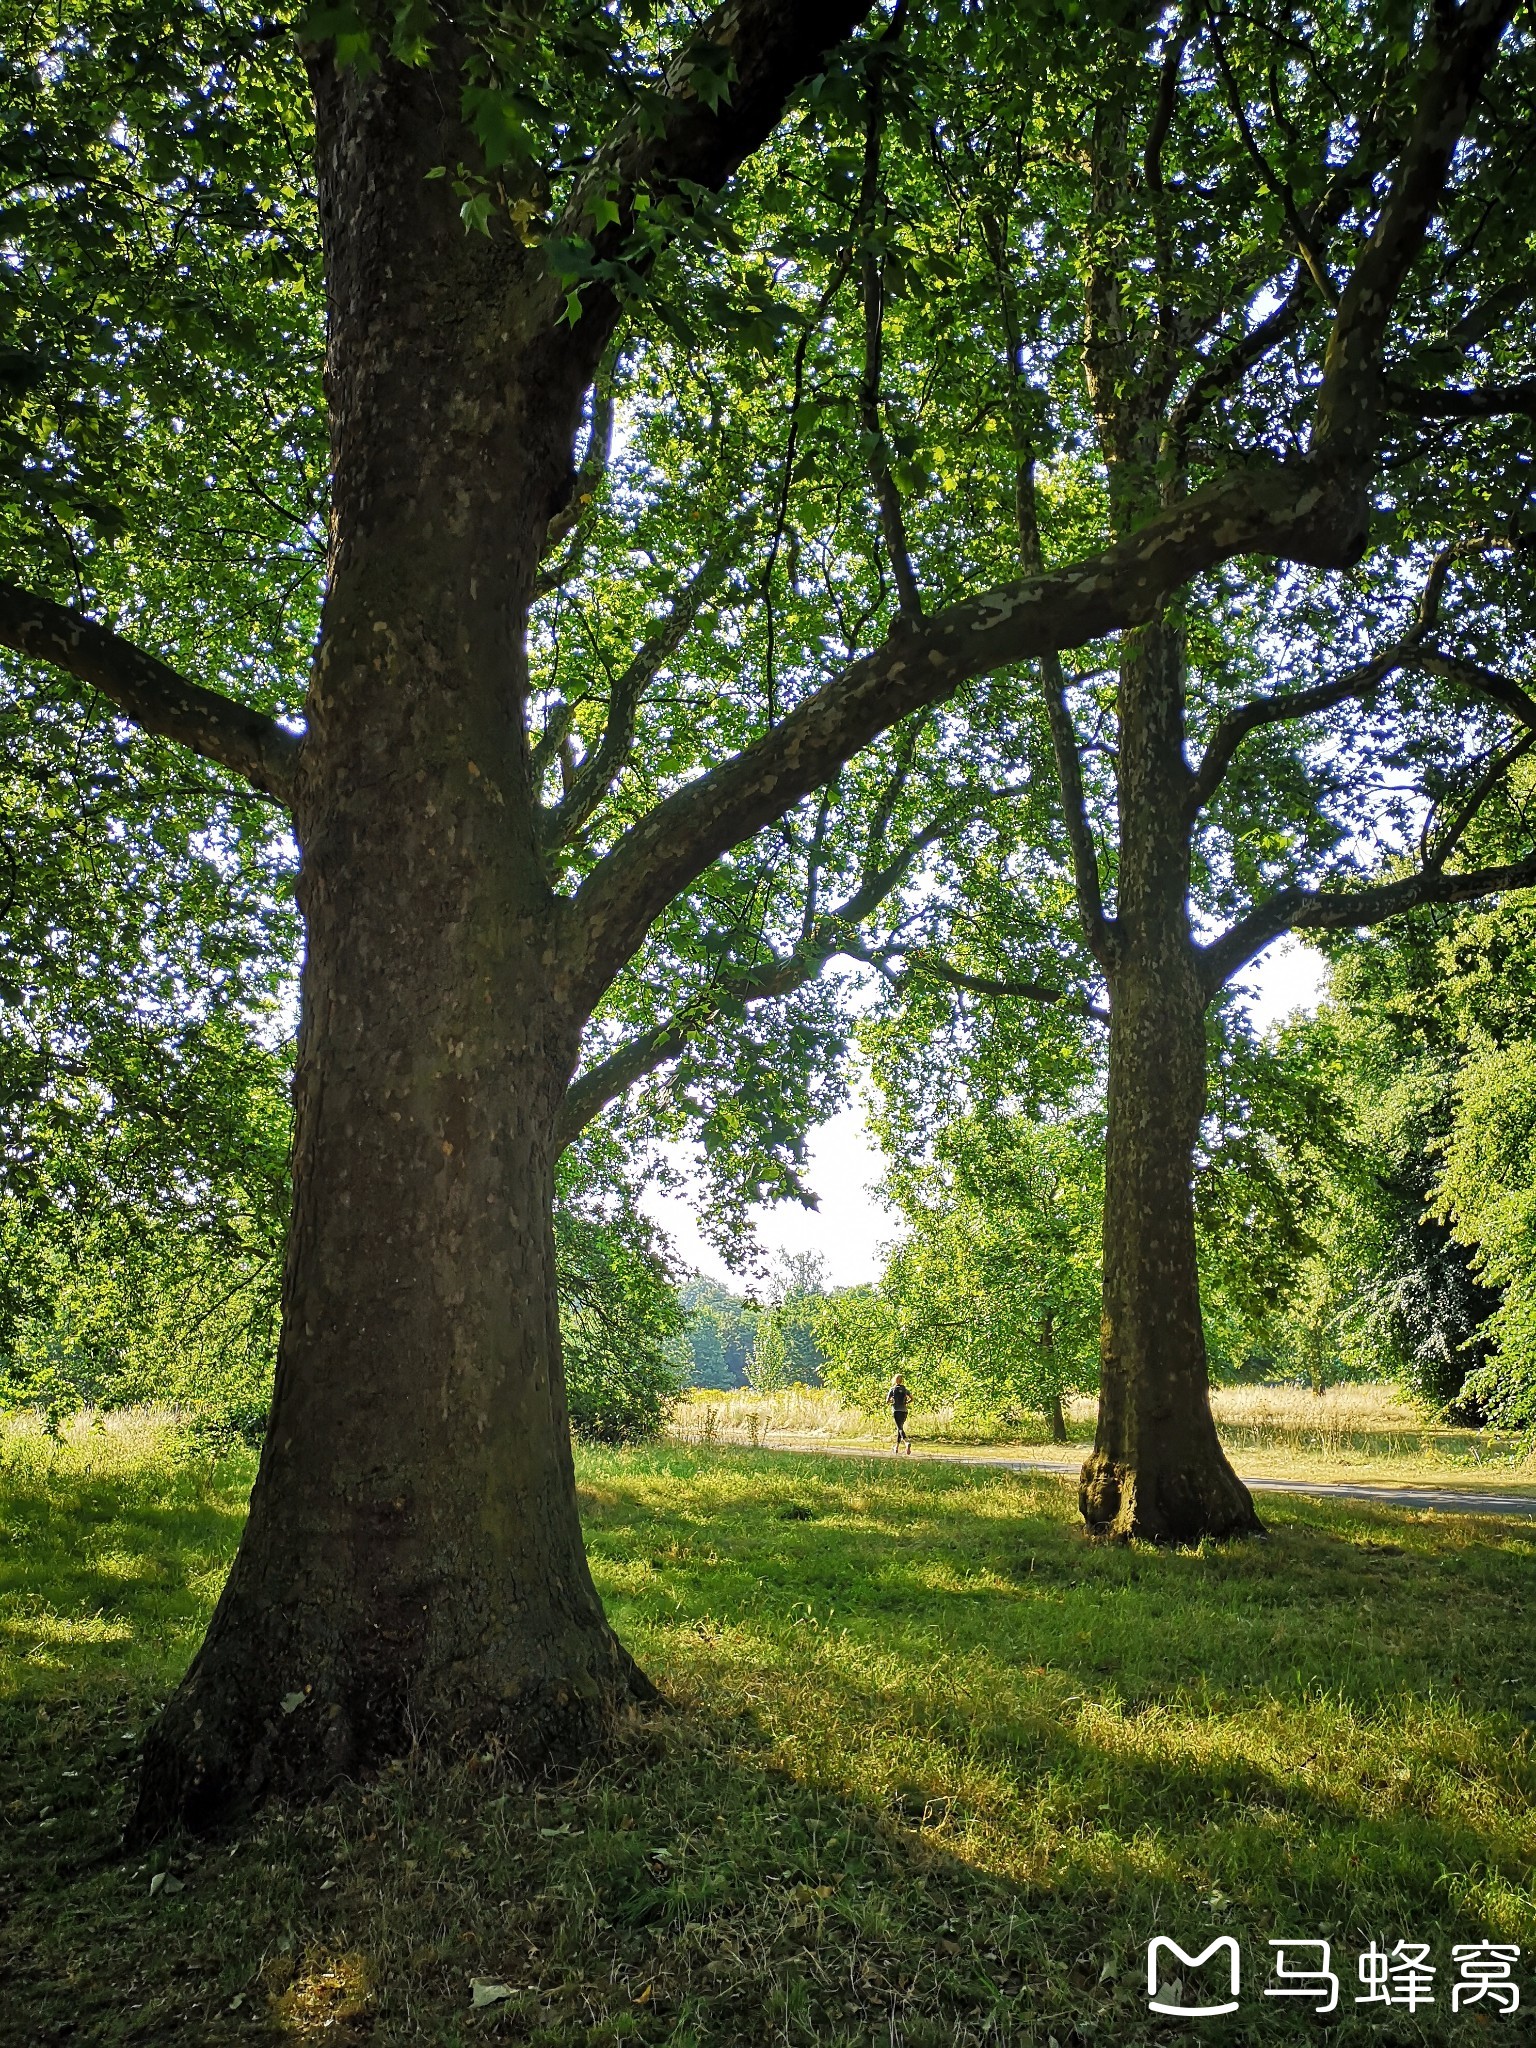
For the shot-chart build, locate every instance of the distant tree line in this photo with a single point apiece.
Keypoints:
(736, 1340)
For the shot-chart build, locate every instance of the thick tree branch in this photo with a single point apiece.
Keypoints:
(153, 695)
(546, 749)
(1434, 850)
(591, 1092)
(1485, 402)
(1463, 46)
(772, 46)
(1301, 233)
(822, 938)
(1283, 706)
(571, 520)
(1290, 509)
(893, 523)
(1482, 682)
(1351, 909)
(1363, 680)
(920, 961)
(1098, 931)
(1223, 372)
(1161, 124)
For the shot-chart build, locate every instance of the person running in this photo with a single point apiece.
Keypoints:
(898, 1400)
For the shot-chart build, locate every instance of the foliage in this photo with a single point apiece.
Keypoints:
(722, 1329)
(1421, 1264)
(142, 1207)
(770, 1370)
(797, 1289)
(780, 1851)
(162, 437)
(1390, 1290)
(990, 1302)
(737, 1340)
(1270, 1148)
(621, 1324)
(886, 337)
(124, 1287)
(1487, 1193)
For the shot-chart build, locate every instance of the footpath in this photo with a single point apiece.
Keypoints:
(1441, 1500)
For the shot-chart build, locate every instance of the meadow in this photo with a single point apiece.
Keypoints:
(931, 1769)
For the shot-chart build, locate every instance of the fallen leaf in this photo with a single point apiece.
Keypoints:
(291, 1701)
(486, 1991)
(165, 1881)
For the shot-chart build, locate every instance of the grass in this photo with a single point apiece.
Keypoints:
(934, 1771)
(1359, 1433)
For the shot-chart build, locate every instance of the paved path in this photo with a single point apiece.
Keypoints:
(1442, 1500)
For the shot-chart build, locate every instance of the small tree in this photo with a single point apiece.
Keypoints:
(771, 1368)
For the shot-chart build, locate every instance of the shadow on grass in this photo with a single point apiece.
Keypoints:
(117, 1567)
(935, 1772)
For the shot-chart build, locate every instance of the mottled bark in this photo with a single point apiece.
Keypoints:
(413, 1559)
(1157, 1470)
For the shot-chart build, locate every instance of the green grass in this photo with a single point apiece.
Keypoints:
(935, 1769)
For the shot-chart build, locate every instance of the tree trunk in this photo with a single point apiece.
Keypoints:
(1157, 1471)
(413, 1559)
(1056, 1414)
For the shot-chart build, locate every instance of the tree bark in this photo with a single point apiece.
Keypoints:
(413, 1560)
(1157, 1471)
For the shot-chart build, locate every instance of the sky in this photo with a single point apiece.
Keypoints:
(851, 1225)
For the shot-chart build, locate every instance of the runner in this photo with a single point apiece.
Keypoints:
(898, 1400)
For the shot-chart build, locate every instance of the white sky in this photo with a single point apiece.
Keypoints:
(845, 1163)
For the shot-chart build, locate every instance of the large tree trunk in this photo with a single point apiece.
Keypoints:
(413, 1560)
(1157, 1470)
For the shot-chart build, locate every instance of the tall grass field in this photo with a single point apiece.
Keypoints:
(932, 1770)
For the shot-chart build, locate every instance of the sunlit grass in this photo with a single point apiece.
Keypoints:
(936, 1768)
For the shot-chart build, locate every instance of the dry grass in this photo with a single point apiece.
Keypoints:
(797, 1413)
